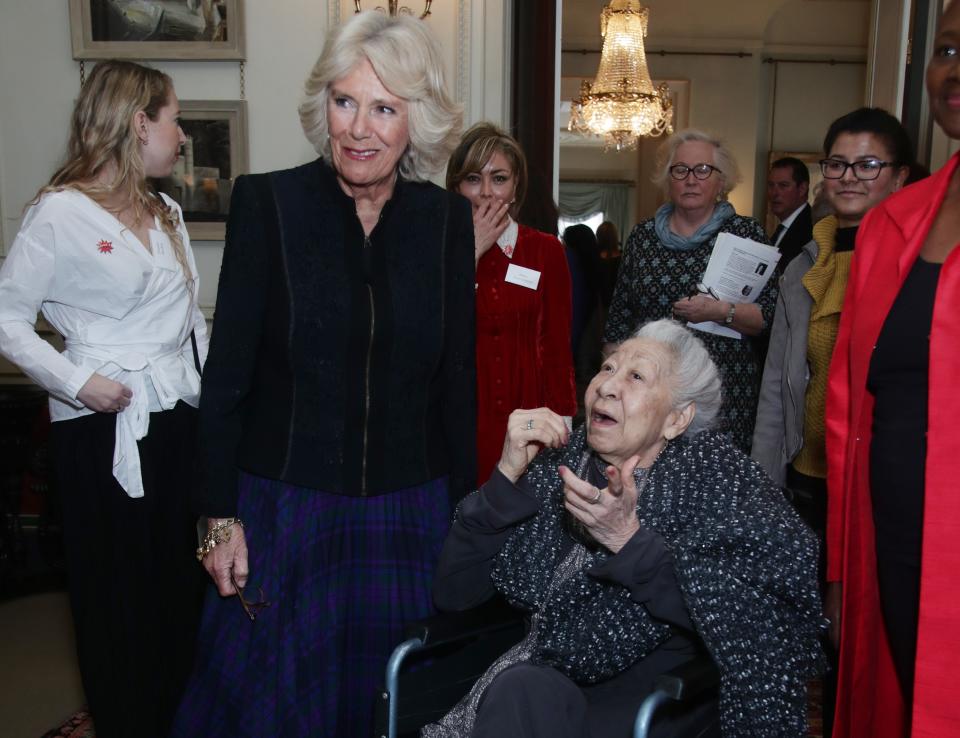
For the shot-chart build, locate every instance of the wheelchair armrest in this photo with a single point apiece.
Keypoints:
(450, 627)
(683, 683)
(689, 680)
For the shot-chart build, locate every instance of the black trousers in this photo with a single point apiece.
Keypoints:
(536, 701)
(135, 587)
(809, 498)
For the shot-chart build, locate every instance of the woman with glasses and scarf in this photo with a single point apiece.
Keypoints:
(893, 449)
(868, 154)
(666, 256)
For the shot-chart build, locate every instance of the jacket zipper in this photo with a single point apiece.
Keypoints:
(366, 409)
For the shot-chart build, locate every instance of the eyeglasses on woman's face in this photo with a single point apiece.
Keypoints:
(701, 171)
(864, 170)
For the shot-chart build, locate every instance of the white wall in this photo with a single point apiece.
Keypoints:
(809, 97)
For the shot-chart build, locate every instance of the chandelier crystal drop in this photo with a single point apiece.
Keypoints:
(394, 8)
(622, 105)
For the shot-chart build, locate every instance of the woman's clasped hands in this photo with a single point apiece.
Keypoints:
(700, 308)
(609, 515)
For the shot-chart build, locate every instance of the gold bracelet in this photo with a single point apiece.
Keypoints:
(220, 533)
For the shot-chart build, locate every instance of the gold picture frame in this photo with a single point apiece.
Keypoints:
(157, 29)
(215, 154)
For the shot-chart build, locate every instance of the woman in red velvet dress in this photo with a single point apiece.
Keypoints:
(523, 293)
(893, 450)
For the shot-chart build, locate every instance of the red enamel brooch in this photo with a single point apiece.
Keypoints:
(105, 247)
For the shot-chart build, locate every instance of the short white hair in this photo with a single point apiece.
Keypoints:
(406, 58)
(722, 159)
(695, 378)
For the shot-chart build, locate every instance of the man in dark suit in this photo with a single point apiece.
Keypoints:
(787, 187)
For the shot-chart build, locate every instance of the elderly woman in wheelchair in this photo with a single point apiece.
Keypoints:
(635, 543)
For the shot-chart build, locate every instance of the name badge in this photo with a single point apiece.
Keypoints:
(522, 276)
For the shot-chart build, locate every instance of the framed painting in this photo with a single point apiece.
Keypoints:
(214, 155)
(157, 29)
(812, 160)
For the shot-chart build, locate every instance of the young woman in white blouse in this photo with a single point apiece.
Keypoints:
(108, 263)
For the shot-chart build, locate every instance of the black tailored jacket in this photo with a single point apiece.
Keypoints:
(340, 362)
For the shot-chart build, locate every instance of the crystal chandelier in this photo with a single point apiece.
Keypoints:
(394, 8)
(622, 105)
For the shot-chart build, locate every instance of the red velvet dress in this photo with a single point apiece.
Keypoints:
(523, 340)
(868, 696)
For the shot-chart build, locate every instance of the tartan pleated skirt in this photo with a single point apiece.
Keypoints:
(342, 575)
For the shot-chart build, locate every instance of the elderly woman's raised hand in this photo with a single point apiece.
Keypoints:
(527, 432)
(609, 515)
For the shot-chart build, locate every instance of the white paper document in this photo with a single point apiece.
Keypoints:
(737, 272)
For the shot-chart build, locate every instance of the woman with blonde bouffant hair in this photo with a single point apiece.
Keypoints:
(108, 262)
(338, 401)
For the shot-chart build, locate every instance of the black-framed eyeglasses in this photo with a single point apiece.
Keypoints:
(700, 171)
(864, 170)
(251, 608)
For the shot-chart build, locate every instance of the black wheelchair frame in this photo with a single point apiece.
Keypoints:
(449, 652)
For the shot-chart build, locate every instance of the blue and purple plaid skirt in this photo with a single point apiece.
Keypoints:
(343, 575)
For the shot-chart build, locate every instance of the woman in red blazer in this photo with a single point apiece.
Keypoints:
(893, 448)
(523, 302)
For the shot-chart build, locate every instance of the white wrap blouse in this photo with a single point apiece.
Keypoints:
(124, 312)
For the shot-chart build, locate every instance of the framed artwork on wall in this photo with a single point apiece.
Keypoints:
(812, 160)
(157, 29)
(214, 155)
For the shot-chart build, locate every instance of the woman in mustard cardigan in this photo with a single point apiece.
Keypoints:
(867, 157)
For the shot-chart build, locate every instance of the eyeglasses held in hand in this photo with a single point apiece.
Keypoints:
(252, 609)
(865, 170)
(701, 289)
(700, 171)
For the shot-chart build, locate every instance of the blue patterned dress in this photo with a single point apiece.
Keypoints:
(653, 277)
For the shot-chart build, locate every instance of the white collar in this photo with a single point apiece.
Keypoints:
(788, 221)
(508, 239)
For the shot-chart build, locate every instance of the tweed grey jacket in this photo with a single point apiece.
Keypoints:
(744, 562)
(778, 431)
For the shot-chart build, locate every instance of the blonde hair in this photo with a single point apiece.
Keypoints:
(406, 59)
(722, 159)
(102, 133)
(479, 143)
